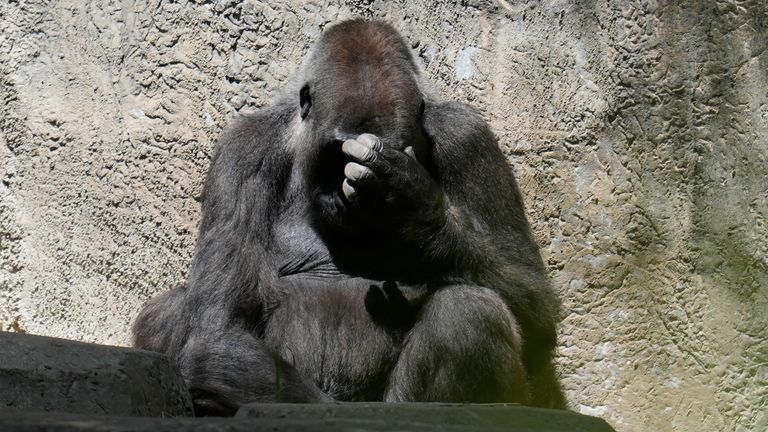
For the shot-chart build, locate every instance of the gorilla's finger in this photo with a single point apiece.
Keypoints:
(394, 295)
(409, 151)
(358, 173)
(371, 141)
(356, 150)
(349, 191)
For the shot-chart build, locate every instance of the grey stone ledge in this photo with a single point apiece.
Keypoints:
(57, 385)
(40, 373)
(325, 417)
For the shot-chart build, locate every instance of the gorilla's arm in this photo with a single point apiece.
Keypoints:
(486, 236)
(247, 172)
(458, 215)
(230, 284)
(223, 271)
(232, 262)
(485, 220)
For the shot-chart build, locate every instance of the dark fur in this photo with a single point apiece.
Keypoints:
(436, 292)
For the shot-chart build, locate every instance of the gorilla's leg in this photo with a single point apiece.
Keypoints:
(465, 346)
(160, 324)
(229, 368)
(547, 392)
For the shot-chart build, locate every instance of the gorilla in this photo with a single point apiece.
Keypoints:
(361, 240)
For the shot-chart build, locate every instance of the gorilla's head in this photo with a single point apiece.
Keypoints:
(359, 78)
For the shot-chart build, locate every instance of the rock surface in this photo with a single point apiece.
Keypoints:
(426, 416)
(329, 417)
(48, 374)
(637, 129)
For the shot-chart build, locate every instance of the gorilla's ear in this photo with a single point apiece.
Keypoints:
(305, 100)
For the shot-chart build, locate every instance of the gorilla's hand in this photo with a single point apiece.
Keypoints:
(391, 181)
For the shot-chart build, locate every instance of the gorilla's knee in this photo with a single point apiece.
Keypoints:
(466, 346)
(159, 320)
(472, 313)
(227, 368)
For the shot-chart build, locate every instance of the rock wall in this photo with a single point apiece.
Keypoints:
(638, 131)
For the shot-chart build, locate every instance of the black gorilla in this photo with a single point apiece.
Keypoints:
(360, 240)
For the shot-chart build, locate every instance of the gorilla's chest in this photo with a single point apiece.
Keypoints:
(325, 322)
(324, 328)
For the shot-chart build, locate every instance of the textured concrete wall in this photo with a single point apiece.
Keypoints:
(638, 131)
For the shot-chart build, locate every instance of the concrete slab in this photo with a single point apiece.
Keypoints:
(412, 417)
(429, 416)
(48, 374)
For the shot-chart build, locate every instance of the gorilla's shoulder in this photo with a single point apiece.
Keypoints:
(251, 139)
(453, 109)
(458, 126)
(262, 127)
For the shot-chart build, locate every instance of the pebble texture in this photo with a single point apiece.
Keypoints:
(48, 374)
(638, 131)
(329, 417)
